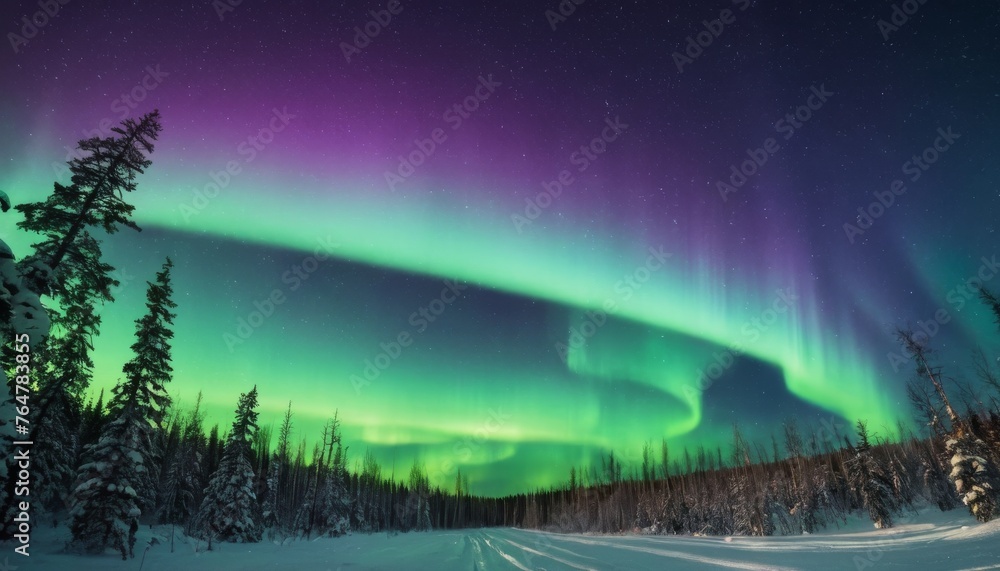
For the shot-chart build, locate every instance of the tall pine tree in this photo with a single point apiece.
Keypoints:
(104, 170)
(144, 392)
(229, 511)
(116, 484)
(869, 480)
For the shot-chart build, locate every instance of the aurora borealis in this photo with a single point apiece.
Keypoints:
(504, 242)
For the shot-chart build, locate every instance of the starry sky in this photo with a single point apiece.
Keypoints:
(509, 238)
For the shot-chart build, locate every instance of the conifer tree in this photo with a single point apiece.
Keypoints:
(67, 264)
(229, 511)
(336, 508)
(870, 481)
(976, 479)
(143, 395)
(150, 369)
(115, 483)
(103, 171)
(105, 502)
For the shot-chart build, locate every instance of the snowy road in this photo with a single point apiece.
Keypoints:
(515, 549)
(503, 549)
(950, 541)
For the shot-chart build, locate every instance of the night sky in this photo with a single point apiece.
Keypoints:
(508, 241)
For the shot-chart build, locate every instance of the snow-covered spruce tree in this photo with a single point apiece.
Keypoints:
(229, 511)
(976, 479)
(870, 481)
(147, 374)
(115, 483)
(105, 502)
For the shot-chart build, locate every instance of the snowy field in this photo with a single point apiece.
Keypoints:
(929, 541)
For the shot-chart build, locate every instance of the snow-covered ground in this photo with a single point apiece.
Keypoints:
(928, 541)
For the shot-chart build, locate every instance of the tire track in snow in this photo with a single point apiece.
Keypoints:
(728, 563)
(538, 553)
(509, 558)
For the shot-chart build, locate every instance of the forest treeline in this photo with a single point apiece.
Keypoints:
(105, 466)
